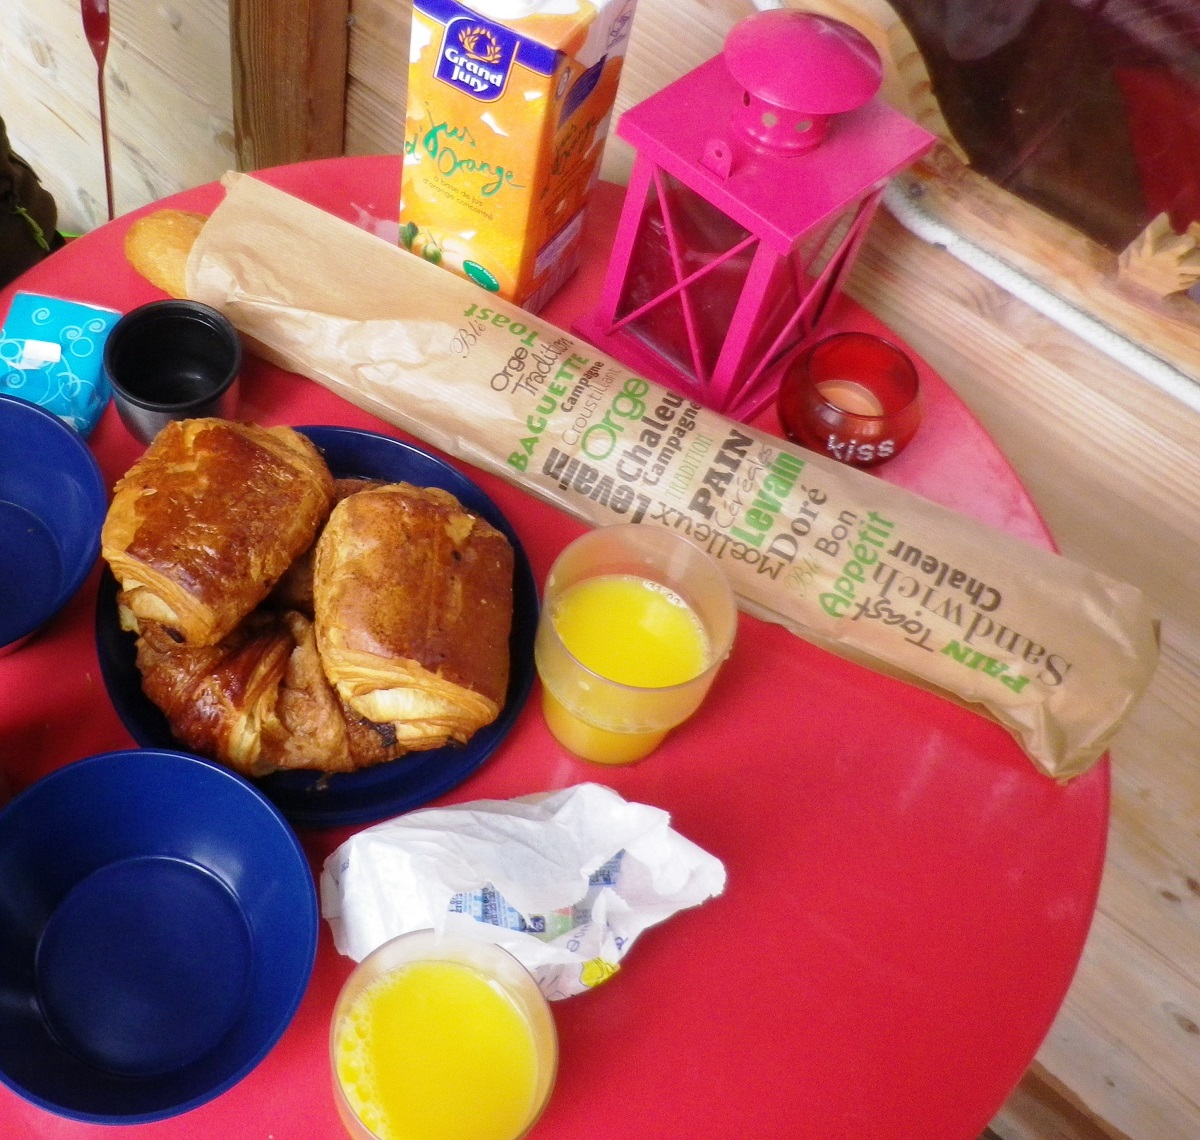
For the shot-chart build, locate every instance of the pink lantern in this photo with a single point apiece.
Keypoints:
(755, 179)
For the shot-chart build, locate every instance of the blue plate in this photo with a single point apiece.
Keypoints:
(52, 504)
(158, 928)
(313, 799)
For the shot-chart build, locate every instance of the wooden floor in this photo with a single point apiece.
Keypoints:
(1114, 466)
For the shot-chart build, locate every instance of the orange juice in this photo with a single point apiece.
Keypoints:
(508, 107)
(632, 631)
(600, 745)
(634, 625)
(436, 1050)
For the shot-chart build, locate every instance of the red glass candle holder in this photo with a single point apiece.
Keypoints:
(852, 396)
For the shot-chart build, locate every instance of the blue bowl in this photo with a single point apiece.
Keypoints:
(158, 927)
(52, 505)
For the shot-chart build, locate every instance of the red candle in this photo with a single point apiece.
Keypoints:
(852, 396)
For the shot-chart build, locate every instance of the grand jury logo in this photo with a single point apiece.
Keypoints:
(480, 45)
(474, 59)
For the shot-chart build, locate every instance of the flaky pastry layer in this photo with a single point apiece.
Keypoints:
(413, 608)
(204, 524)
(259, 701)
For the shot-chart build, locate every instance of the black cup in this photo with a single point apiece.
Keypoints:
(172, 360)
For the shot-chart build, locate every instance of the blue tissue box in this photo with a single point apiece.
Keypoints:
(52, 353)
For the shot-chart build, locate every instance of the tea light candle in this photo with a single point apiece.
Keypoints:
(852, 396)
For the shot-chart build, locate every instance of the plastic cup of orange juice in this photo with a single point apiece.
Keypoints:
(635, 623)
(440, 1036)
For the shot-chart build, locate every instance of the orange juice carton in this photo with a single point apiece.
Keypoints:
(509, 103)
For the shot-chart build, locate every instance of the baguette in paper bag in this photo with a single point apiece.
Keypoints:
(1055, 652)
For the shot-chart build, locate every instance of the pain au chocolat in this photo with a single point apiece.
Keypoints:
(413, 607)
(205, 523)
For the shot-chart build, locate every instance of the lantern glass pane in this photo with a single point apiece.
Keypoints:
(813, 252)
(683, 237)
(790, 310)
(780, 300)
(650, 275)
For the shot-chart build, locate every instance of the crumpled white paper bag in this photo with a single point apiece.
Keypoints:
(565, 880)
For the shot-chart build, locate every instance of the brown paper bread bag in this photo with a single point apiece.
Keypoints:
(1055, 652)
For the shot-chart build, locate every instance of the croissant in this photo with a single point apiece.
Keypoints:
(316, 728)
(218, 698)
(203, 525)
(413, 607)
(258, 700)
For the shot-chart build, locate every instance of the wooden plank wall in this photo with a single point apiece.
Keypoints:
(170, 102)
(289, 79)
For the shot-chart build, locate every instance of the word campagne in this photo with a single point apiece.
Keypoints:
(645, 440)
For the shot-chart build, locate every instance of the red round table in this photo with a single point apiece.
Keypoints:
(907, 896)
